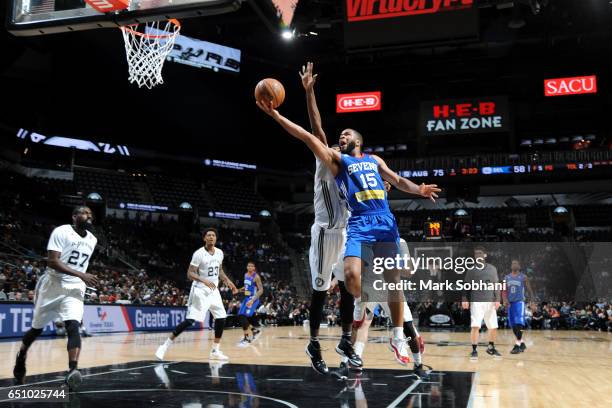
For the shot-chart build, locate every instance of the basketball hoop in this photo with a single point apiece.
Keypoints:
(146, 49)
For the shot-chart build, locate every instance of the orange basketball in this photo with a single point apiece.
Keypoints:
(270, 89)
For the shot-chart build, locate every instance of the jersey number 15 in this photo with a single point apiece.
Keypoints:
(368, 180)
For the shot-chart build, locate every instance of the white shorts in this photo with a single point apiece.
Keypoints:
(53, 299)
(483, 310)
(326, 255)
(407, 313)
(202, 300)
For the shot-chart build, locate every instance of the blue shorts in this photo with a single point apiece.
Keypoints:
(366, 230)
(516, 314)
(248, 311)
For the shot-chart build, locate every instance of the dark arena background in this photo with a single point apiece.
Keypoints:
(506, 105)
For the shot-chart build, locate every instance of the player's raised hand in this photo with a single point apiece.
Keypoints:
(429, 191)
(308, 80)
(267, 108)
(89, 279)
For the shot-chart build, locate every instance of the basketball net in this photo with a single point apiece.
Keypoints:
(146, 49)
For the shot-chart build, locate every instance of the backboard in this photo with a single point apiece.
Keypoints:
(37, 17)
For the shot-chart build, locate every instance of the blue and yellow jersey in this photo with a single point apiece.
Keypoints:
(361, 186)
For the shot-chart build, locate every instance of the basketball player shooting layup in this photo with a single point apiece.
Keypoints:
(61, 289)
(204, 270)
(360, 179)
(328, 237)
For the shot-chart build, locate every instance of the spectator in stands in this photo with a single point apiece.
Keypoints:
(554, 317)
(528, 317)
(3, 276)
(262, 314)
(537, 320)
(3, 296)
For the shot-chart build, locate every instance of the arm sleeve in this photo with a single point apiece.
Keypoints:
(56, 241)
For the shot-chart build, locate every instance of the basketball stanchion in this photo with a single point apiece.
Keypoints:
(146, 49)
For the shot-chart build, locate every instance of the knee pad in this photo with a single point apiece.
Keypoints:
(182, 326)
(518, 331)
(244, 322)
(412, 337)
(74, 334)
(347, 304)
(30, 336)
(219, 326)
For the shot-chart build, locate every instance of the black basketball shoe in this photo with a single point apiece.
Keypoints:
(19, 371)
(73, 379)
(345, 349)
(419, 370)
(523, 347)
(313, 350)
(493, 351)
(515, 350)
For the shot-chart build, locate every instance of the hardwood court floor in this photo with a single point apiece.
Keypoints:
(559, 368)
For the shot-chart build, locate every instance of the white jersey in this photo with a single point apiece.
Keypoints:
(330, 210)
(208, 266)
(75, 252)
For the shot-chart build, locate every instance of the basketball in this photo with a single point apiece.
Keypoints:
(269, 89)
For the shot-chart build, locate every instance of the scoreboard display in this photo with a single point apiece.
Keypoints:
(432, 230)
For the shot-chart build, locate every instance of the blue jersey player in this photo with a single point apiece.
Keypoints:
(360, 178)
(253, 289)
(514, 299)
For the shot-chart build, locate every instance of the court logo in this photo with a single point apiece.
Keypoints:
(101, 314)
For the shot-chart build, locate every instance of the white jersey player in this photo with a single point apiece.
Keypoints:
(205, 269)
(328, 237)
(60, 291)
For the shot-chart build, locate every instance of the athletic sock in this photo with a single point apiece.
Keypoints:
(491, 345)
(215, 346)
(359, 346)
(72, 365)
(474, 346)
(168, 342)
(346, 335)
(417, 358)
(398, 332)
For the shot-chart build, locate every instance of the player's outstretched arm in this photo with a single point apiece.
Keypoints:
(330, 157)
(308, 82)
(424, 190)
(53, 261)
